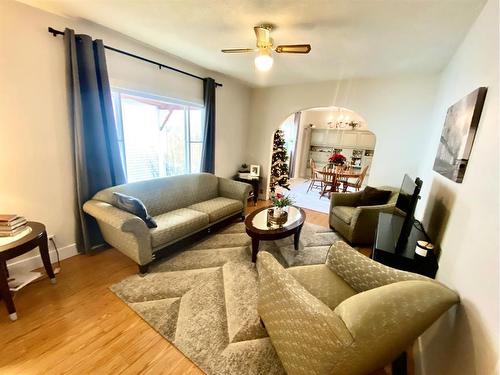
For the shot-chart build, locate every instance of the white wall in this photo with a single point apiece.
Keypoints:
(395, 109)
(36, 174)
(463, 218)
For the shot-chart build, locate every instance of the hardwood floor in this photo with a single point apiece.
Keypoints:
(78, 326)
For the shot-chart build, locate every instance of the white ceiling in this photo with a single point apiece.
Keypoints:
(349, 38)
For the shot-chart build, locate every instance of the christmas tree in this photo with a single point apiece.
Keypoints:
(279, 166)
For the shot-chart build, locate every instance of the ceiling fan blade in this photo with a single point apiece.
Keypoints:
(263, 36)
(293, 48)
(238, 50)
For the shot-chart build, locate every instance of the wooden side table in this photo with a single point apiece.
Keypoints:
(36, 238)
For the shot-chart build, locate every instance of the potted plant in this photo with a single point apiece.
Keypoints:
(337, 159)
(280, 203)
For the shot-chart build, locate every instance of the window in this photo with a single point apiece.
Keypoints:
(158, 138)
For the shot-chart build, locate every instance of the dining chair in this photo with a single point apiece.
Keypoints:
(315, 177)
(343, 174)
(329, 180)
(355, 183)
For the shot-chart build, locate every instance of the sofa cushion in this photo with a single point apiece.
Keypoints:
(323, 284)
(218, 208)
(176, 224)
(372, 196)
(134, 206)
(166, 194)
(344, 213)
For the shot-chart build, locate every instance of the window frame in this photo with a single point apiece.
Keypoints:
(117, 92)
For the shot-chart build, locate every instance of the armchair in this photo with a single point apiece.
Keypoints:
(357, 224)
(349, 316)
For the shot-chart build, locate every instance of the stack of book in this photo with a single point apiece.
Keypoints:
(10, 225)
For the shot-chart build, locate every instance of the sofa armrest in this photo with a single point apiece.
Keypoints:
(118, 219)
(361, 272)
(123, 230)
(373, 210)
(304, 331)
(385, 321)
(235, 190)
(344, 199)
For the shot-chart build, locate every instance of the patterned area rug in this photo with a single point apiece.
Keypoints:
(308, 199)
(204, 299)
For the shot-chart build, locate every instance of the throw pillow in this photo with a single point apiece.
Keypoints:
(134, 206)
(372, 196)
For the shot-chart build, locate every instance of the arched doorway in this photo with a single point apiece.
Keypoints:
(317, 133)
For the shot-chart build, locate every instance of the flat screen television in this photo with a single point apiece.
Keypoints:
(405, 206)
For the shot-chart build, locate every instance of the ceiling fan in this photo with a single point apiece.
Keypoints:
(264, 60)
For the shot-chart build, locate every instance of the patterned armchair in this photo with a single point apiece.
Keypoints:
(350, 316)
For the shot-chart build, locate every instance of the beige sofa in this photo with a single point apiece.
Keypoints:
(350, 316)
(181, 206)
(357, 224)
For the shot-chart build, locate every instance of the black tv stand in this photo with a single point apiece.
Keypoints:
(386, 249)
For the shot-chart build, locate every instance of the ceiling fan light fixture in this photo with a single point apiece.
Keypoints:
(265, 46)
(263, 61)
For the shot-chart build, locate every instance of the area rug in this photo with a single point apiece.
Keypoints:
(204, 299)
(308, 199)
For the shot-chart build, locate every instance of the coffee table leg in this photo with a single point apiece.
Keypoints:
(44, 253)
(5, 291)
(296, 238)
(255, 249)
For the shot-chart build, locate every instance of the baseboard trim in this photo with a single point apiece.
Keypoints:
(35, 261)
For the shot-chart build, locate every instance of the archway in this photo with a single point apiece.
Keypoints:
(317, 133)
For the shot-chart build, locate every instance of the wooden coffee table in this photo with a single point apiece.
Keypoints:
(259, 229)
(36, 238)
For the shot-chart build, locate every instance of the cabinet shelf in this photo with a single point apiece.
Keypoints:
(356, 146)
(350, 147)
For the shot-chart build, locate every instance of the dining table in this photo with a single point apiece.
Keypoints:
(332, 178)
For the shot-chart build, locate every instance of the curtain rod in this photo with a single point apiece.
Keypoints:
(55, 32)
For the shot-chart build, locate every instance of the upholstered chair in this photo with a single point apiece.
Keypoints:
(350, 316)
(357, 224)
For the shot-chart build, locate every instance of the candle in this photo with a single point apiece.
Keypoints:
(423, 247)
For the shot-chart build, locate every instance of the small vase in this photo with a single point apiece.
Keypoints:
(278, 216)
(278, 212)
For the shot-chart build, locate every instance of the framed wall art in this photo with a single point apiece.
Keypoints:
(458, 135)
